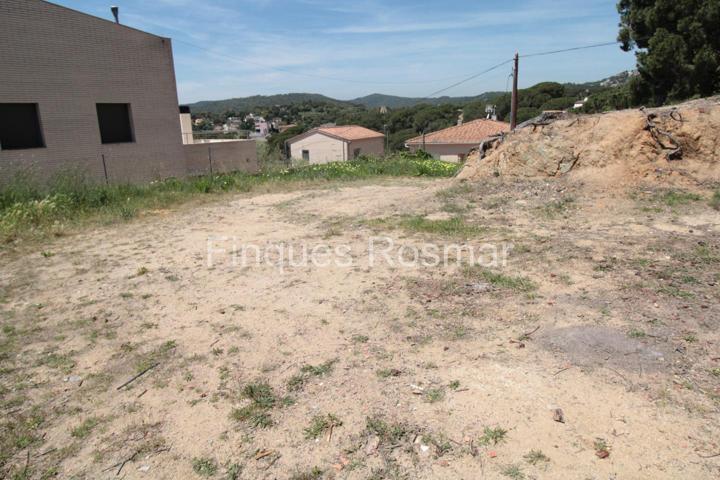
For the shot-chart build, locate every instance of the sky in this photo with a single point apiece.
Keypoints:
(347, 49)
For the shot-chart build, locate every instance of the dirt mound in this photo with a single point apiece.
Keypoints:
(679, 144)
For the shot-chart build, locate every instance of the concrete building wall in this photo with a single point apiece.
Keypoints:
(322, 149)
(367, 146)
(448, 153)
(231, 156)
(186, 128)
(66, 62)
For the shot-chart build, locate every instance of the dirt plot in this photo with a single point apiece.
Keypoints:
(593, 353)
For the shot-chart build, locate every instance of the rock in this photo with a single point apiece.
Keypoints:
(559, 415)
(73, 378)
(372, 445)
(144, 468)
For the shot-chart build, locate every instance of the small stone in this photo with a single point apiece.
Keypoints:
(559, 415)
(73, 378)
(144, 468)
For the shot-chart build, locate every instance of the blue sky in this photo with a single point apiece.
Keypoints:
(347, 49)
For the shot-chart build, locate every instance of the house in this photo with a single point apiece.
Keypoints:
(454, 143)
(336, 144)
(81, 93)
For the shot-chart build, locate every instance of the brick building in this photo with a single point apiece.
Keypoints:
(80, 92)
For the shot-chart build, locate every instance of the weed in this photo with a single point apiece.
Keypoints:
(715, 200)
(233, 471)
(204, 466)
(62, 362)
(360, 339)
(514, 472)
(320, 424)
(257, 414)
(85, 428)
(557, 208)
(672, 198)
(536, 456)
(315, 474)
(493, 435)
(260, 393)
(690, 338)
(297, 382)
(602, 449)
(517, 284)
(455, 384)
(141, 271)
(636, 333)
(715, 372)
(390, 433)
(433, 395)
(452, 227)
(388, 372)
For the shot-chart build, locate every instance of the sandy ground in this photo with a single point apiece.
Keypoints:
(606, 309)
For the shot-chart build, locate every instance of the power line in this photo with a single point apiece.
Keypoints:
(472, 77)
(552, 52)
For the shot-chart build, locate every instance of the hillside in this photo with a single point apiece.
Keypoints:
(259, 101)
(377, 100)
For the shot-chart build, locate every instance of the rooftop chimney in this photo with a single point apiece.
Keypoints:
(116, 13)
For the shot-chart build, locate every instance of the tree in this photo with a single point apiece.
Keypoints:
(679, 48)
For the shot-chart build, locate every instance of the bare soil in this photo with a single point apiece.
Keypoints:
(607, 309)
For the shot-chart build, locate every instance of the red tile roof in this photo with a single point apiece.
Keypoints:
(470, 132)
(350, 132)
(347, 133)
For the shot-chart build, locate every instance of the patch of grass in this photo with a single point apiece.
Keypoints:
(557, 208)
(676, 292)
(204, 466)
(454, 385)
(156, 355)
(517, 284)
(493, 435)
(31, 207)
(715, 372)
(459, 190)
(715, 200)
(320, 424)
(451, 227)
(433, 395)
(257, 414)
(513, 471)
(673, 198)
(19, 431)
(315, 474)
(297, 382)
(602, 449)
(536, 456)
(233, 471)
(636, 333)
(388, 372)
(389, 433)
(60, 361)
(141, 271)
(360, 339)
(85, 428)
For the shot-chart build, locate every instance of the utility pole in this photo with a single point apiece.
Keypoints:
(514, 105)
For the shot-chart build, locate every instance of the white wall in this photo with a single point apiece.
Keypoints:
(322, 148)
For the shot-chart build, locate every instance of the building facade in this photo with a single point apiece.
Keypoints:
(453, 144)
(335, 144)
(80, 92)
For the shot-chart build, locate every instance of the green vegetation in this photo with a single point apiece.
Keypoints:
(85, 428)
(536, 456)
(433, 395)
(678, 48)
(557, 208)
(715, 200)
(297, 382)
(514, 472)
(204, 467)
(257, 414)
(517, 284)
(29, 207)
(672, 198)
(493, 435)
(320, 424)
(452, 227)
(315, 474)
(389, 433)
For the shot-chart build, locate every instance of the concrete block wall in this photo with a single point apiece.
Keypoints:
(67, 62)
(221, 157)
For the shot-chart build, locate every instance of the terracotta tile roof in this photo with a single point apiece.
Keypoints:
(350, 132)
(470, 132)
